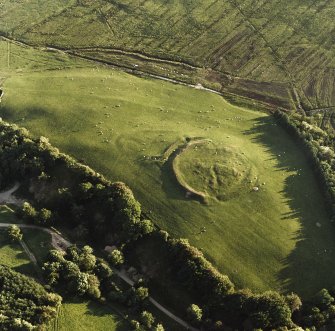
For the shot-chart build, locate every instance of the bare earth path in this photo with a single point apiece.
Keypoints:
(28, 252)
(8, 197)
(60, 243)
(122, 274)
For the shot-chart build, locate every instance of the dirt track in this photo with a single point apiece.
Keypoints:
(7, 197)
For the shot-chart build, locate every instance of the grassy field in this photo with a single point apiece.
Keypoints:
(39, 242)
(7, 215)
(120, 124)
(16, 59)
(73, 315)
(275, 49)
(78, 315)
(12, 255)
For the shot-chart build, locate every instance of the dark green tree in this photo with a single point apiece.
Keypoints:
(14, 233)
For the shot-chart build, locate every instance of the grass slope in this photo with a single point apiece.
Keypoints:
(18, 58)
(13, 256)
(78, 315)
(117, 123)
(39, 242)
(267, 43)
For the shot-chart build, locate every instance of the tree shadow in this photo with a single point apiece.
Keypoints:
(97, 309)
(9, 113)
(311, 264)
(26, 269)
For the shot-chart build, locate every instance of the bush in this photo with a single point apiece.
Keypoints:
(159, 327)
(102, 269)
(116, 258)
(147, 319)
(194, 314)
(199, 275)
(293, 301)
(135, 325)
(27, 212)
(323, 299)
(268, 310)
(44, 217)
(14, 233)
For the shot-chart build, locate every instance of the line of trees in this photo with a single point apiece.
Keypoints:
(63, 190)
(103, 213)
(78, 272)
(319, 146)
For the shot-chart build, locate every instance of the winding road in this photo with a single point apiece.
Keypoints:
(123, 274)
(60, 243)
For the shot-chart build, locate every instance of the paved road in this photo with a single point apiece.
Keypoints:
(60, 243)
(122, 274)
(57, 241)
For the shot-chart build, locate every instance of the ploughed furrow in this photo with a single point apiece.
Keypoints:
(216, 56)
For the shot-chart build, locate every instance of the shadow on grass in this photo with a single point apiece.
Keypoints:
(102, 310)
(311, 265)
(170, 185)
(10, 113)
(26, 269)
(19, 258)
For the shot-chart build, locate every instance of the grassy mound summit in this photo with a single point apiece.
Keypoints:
(221, 172)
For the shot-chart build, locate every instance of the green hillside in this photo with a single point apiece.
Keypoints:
(218, 117)
(279, 52)
(122, 125)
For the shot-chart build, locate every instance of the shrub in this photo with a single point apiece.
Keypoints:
(323, 299)
(268, 310)
(27, 212)
(14, 233)
(194, 314)
(116, 258)
(147, 319)
(159, 327)
(293, 301)
(44, 217)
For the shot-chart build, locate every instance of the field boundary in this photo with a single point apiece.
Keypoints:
(226, 94)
